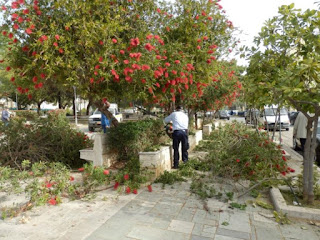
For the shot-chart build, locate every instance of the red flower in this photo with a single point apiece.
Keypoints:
(149, 188)
(100, 59)
(126, 61)
(15, 26)
(48, 185)
(52, 201)
(61, 50)
(114, 40)
(12, 79)
(198, 47)
(57, 37)
(143, 81)
(55, 44)
(134, 42)
(177, 61)
(116, 185)
(3, 8)
(8, 69)
(238, 160)
(149, 47)
(150, 90)
(20, 19)
(126, 176)
(122, 52)
(145, 67)
(81, 169)
(283, 173)
(34, 79)
(71, 178)
(284, 158)
(128, 190)
(4, 33)
(106, 172)
(283, 152)
(26, 11)
(28, 31)
(101, 42)
(135, 191)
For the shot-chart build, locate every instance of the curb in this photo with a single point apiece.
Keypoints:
(292, 211)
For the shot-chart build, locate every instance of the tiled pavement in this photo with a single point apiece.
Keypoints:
(172, 213)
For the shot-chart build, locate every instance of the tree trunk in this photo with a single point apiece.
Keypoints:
(307, 163)
(104, 109)
(60, 101)
(196, 120)
(88, 108)
(39, 107)
(74, 107)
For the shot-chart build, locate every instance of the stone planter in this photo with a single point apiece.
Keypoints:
(207, 129)
(99, 155)
(158, 161)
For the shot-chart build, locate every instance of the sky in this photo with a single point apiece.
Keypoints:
(250, 15)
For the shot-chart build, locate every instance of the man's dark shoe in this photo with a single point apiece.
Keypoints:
(174, 167)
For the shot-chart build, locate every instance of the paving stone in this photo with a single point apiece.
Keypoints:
(147, 233)
(169, 209)
(237, 221)
(260, 218)
(209, 229)
(161, 223)
(186, 214)
(172, 199)
(181, 226)
(197, 229)
(294, 231)
(201, 217)
(196, 237)
(213, 216)
(267, 231)
(233, 234)
(220, 237)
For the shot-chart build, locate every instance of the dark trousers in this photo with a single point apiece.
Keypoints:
(180, 136)
(303, 142)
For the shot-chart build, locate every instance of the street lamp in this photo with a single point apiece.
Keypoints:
(75, 105)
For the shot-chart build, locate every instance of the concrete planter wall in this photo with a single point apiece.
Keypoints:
(99, 155)
(158, 161)
(207, 129)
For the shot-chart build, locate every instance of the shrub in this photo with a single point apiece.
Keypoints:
(130, 138)
(28, 115)
(48, 139)
(238, 152)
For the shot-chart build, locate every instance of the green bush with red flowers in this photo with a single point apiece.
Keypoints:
(48, 139)
(239, 152)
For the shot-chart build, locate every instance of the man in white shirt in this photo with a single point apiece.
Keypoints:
(180, 123)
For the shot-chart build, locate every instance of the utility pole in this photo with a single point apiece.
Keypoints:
(75, 105)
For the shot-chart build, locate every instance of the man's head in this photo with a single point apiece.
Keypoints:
(179, 108)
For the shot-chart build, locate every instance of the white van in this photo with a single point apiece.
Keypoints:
(268, 118)
(95, 118)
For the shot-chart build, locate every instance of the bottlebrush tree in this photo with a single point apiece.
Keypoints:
(134, 49)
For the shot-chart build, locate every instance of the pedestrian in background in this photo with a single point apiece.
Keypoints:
(5, 116)
(180, 123)
(300, 129)
(105, 123)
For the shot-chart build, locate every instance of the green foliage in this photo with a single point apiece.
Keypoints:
(130, 138)
(201, 189)
(238, 205)
(237, 152)
(169, 178)
(281, 217)
(48, 139)
(28, 115)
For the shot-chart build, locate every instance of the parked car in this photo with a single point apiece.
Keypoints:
(242, 113)
(95, 118)
(292, 117)
(297, 144)
(268, 118)
(223, 114)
